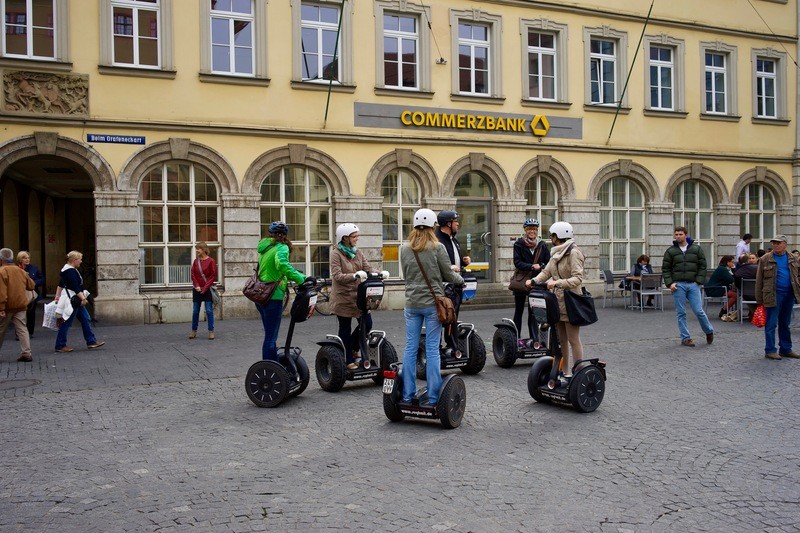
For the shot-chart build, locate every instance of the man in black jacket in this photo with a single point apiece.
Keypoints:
(446, 233)
(684, 270)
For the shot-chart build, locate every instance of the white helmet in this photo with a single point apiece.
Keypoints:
(562, 230)
(345, 230)
(424, 218)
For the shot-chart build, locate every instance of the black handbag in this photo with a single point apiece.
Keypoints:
(580, 308)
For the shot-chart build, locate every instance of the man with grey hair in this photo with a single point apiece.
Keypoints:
(777, 289)
(14, 282)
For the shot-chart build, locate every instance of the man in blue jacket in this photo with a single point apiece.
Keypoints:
(684, 270)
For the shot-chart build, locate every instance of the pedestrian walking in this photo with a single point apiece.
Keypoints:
(14, 282)
(24, 262)
(777, 289)
(204, 275)
(72, 301)
(684, 270)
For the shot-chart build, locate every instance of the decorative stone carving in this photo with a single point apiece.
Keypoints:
(40, 92)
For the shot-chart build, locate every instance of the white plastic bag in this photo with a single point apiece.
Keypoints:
(50, 316)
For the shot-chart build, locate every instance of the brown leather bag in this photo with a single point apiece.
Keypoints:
(445, 310)
(519, 277)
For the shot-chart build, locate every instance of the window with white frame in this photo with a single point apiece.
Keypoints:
(605, 52)
(476, 44)
(542, 199)
(300, 197)
(401, 198)
(758, 215)
(719, 79)
(232, 37)
(544, 60)
(136, 34)
(766, 88)
(402, 41)
(178, 207)
(29, 29)
(622, 224)
(320, 48)
(664, 65)
(694, 209)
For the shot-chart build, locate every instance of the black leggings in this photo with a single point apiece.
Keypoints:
(350, 339)
(520, 301)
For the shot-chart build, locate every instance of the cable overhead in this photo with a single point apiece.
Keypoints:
(777, 39)
(441, 60)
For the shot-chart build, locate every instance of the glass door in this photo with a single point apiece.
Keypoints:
(475, 236)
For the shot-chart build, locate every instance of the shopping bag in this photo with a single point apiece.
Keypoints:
(50, 318)
(759, 319)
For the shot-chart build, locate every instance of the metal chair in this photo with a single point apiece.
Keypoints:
(747, 295)
(723, 299)
(649, 285)
(610, 287)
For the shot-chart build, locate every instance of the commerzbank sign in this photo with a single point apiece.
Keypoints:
(457, 120)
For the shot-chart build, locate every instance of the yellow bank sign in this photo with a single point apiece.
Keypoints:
(538, 125)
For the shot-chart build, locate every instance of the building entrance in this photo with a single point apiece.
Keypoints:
(475, 236)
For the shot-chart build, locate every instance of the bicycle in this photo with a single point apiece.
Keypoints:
(323, 306)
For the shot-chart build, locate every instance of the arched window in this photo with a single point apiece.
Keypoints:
(473, 184)
(401, 198)
(622, 224)
(694, 209)
(178, 206)
(758, 216)
(301, 198)
(542, 197)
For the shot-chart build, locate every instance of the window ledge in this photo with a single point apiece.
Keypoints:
(606, 109)
(137, 72)
(209, 77)
(546, 104)
(721, 118)
(35, 64)
(771, 121)
(665, 114)
(496, 100)
(313, 86)
(388, 91)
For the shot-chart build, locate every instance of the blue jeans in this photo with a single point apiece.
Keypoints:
(688, 290)
(779, 317)
(271, 319)
(209, 315)
(86, 324)
(433, 333)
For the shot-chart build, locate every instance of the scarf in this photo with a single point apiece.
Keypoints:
(557, 252)
(349, 252)
(531, 243)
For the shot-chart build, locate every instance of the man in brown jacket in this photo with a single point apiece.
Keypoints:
(777, 289)
(14, 281)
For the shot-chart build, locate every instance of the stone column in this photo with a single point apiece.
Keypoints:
(584, 216)
(117, 227)
(792, 229)
(727, 232)
(510, 214)
(660, 226)
(364, 212)
(241, 221)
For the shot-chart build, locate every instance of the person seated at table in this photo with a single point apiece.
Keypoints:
(747, 271)
(720, 284)
(642, 266)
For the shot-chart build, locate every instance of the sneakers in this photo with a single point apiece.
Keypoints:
(25, 358)
(688, 342)
(94, 345)
(791, 355)
(193, 335)
(65, 349)
(710, 337)
(772, 355)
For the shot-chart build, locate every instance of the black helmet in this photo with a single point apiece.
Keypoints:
(446, 216)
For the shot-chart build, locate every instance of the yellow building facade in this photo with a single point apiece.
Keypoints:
(131, 129)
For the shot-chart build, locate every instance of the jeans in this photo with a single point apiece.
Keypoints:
(271, 319)
(86, 324)
(433, 332)
(688, 290)
(209, 315)
(351, 339)
(779, 317)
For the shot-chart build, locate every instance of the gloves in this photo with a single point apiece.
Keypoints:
(360, 275)
(384, 274)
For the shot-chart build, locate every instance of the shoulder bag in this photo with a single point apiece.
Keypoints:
(445, 309)
(213, 290)
(259, 291)
(580, 307)
(519, 277)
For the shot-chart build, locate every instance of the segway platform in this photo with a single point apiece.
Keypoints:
(449, 411)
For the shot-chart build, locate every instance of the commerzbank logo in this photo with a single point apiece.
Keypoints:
(537, 125)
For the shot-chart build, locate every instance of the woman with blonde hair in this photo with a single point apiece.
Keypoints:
(72, 285)
(424, 251)
(24, 262)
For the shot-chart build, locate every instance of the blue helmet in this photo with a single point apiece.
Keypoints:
(530, 222)
(278, 228)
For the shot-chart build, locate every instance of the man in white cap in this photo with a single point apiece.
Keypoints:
(777, 289)
(14, 281)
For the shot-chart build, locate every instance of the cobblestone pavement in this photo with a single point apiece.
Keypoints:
(154, 432)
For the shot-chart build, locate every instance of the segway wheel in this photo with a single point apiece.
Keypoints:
(330, 368)
(388, 356)
(267, 383)
(504, 347)
(477, 354)
(452, 402)
(305, 377)
(538, 376)
(422, 360)
(587, 389)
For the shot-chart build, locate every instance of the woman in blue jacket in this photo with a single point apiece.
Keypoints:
(72, 283)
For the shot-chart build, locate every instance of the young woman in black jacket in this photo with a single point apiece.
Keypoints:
(530, 256)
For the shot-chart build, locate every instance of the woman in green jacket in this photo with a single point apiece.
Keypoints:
(273, 264)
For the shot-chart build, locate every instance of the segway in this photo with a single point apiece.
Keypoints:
(376, 350)
(508, 344)
(449, 410)
(583, 391)
(470, 352)
(269, 383)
